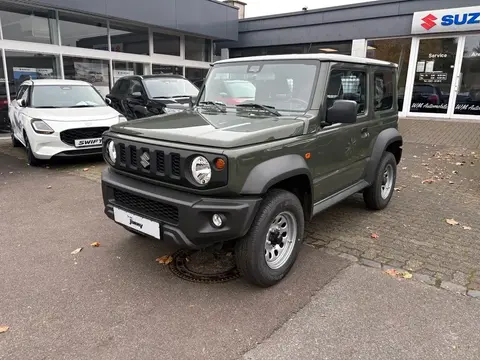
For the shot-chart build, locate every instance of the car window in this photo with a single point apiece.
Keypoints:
(384, 83)
(348, 85)
(25, 94)
(121, 87)
(166, 87)
(283, 84)
(66, 96)
(135, 86)
(20, 92)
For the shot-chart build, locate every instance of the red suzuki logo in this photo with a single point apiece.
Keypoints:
(429, 22)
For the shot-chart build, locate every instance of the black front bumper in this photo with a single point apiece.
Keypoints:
(184, 218)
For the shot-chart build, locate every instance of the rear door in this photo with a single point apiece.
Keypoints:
(342, 159)
(118, 95)
(136, 100)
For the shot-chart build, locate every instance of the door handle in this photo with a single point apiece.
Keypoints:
(365, 133)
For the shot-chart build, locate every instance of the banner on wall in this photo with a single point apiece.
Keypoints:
(24, 73)
(117, 74)
(94, 73)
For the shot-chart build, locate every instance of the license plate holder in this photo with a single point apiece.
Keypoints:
(88, 142)
(137, 223)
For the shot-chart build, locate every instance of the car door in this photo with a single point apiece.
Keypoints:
(341, 160)
(15, 111)
(118, 95)
(136, 100)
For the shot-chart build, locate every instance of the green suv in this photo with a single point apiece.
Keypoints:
(251, 171)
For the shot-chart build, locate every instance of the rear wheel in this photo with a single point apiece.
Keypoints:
(32, 160)
(266, 254)
(378, 195)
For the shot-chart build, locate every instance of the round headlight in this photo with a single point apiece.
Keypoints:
(111, 151)
(201, 170)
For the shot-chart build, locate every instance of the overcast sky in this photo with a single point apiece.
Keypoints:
(268, 7)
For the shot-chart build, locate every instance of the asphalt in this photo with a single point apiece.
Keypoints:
(366, 314)
(115, 301)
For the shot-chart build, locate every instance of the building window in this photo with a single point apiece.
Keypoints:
(22, 66)
(83, 32)
(29, 25)
(343, 48)
(166, 44)
(129, 40)
(123, 68)
(384, 84)
(254, 51)
(468, 97)
(347, 85)
(94, 71)
(196, 76)
(197, 48)
(166, 69)
(396, 51)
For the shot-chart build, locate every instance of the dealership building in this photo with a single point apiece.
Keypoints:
(435, 42)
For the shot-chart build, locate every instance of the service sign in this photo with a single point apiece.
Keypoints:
(448, 20)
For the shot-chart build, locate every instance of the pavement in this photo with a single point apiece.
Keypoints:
(116, 301)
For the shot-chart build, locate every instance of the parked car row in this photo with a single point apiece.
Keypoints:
(65, 118)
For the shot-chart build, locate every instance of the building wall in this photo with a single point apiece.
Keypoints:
(201, 17)
(383, 18)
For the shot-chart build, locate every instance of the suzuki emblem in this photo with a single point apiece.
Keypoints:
(429, 21)
(145, 160)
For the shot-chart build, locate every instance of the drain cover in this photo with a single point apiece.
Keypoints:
(204, 267)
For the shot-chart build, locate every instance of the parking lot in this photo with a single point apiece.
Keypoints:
(116, 298)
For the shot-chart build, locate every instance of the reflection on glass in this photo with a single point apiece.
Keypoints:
(166, 44)
(396, 51)
(4, 121)
(197, 48)
(129, 40)
(166, 69)
(29, 25)
(83, 32)
(94, 71)
(433, 75)
(122, 68)
(166, 87)
(344, 47)
(23, 66)
(468, 97)
(196, 76)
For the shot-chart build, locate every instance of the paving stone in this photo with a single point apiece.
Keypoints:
(370, 263)
(447, 285)
(474, 293)
(396, 263)
(474, 285)
(348, 257)
(430, 280)
(370, 254)
(460, 278)
(413, 265)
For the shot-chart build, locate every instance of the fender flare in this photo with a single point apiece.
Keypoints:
(384, 139)
(270, 172)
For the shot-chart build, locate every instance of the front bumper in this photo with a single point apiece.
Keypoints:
(184, 218)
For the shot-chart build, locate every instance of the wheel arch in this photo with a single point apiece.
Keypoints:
(388, 140)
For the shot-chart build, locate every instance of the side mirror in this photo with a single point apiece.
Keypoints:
(108, 101)
(343, 112)
(137, 94)
(21, 102)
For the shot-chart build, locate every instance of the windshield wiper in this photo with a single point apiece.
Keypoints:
(218, 105)
(47, 107)
(270, 109)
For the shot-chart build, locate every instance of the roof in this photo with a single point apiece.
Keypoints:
(55, 82)
(321, 57)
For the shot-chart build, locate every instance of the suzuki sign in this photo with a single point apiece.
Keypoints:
(449, 20)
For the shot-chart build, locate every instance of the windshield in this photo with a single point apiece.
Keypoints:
(167, 87)
(285, 85)
(62, 96)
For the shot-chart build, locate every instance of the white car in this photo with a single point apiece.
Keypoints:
(59, 118)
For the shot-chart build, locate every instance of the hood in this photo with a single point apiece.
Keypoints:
(184, 100)
(73, 114)
(224, 130)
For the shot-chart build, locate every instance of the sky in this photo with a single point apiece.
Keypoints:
(269, 7)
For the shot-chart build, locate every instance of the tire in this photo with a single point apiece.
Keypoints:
(373, 194)
(15, 142)
(251, 251)
(32, 160)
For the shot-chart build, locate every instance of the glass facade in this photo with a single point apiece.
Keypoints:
(122, 68)
(196, 76)
(166, 44)
(344, 48)
(83, 32)
(130, 40)
(94, 71)
(166, 69)
(198, 49)
(396, 51)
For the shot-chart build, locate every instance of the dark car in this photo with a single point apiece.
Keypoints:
(141, 96)
(427, 97)
(4, 121)
(248, 175)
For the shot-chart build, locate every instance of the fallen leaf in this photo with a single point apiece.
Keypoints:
(459, 163)
(3, 328)
(374, 236)
(424, 164)
(391, 272)
(49, 187)
(165, 259)
(397, 189)
(451, 182)
(95, 244)
(467, 228)
(454, 172)
(428, 181)
(415, 176)
(76, 251)
(407, 275)
(451, 221)
(86, 169)
(404, 168)
(399, 274)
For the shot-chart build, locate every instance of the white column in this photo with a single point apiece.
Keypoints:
(224, 54)
(359, 48)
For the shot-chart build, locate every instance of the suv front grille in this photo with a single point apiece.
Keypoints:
(69, 136)
(155, 209)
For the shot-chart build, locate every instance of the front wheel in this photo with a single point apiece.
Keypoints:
(15, 142)
(266, 254)
(378, 195)
(32, 160)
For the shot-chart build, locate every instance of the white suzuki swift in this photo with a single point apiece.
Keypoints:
(59, 118)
